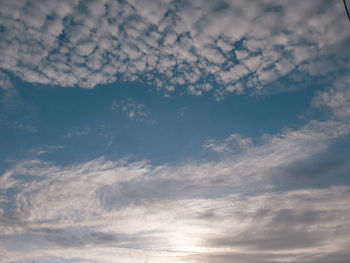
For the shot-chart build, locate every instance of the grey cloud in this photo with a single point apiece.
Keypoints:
(341, 257)
(237, 258)
(311, 169)
(288, 231)
(64, 237)
(10, 221)
(75, 237)
(327, 167)
(281, 226)
(272, 240)
(278, 229)
(289, 217)
(5, 82)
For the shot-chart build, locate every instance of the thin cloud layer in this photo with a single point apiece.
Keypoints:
(229, 46)
(233, 209)
(232, 143)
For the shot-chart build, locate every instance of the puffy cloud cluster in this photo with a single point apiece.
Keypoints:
(337, 98)
(231, 209)
(198, 45)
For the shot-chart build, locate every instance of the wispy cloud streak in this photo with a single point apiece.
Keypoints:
(194, 212)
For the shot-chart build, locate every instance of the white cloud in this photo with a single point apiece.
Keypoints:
(45, 149)
(232, 143)
(85, 200)
(104, 209)
(199, 89)
(234, 74)
(70, 43)
(337, 99)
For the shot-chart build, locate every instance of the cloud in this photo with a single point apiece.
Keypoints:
(45, 149)
(5, 82)
(199, 46)
(232, 143)
(133, 110)
(337, 98)
(12, 106)
(262, 201)
(78, 133)
(232, 209)
(289, 225)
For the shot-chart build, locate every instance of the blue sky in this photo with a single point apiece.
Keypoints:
(174, 131)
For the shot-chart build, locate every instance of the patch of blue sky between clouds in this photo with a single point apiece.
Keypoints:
(125, 119)
(174, 131)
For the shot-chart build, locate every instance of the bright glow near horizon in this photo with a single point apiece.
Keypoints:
(168, 131)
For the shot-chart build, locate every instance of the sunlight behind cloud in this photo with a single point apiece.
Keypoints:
(152, 131)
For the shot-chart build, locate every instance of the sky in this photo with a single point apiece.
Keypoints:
(152, 131)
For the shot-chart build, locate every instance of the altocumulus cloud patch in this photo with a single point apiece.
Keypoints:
(232, 45)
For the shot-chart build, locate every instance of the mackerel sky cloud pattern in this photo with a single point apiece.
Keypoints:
(232, 45)
(174, 131)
